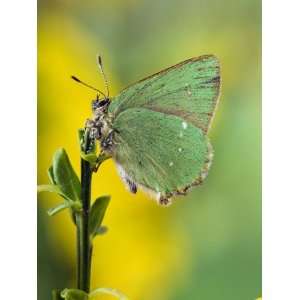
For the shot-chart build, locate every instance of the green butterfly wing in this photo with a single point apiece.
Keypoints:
(160, 126)
(189, 90)
(160, 152)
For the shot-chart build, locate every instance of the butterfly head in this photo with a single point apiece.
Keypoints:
(100, 105)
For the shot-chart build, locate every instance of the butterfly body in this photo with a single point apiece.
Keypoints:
(156, 129)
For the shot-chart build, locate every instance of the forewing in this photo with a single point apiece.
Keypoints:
(160, 151)
(189, 90)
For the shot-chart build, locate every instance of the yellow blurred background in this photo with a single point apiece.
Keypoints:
(206, 245)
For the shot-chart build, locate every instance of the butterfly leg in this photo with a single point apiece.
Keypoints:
(107, 142)
(131, 185)
(164, 199)
(100, 159)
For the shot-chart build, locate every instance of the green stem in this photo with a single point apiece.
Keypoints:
(84, 247)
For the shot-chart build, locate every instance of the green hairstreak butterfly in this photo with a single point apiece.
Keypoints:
(156, 129)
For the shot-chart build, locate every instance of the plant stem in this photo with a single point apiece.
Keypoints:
(84, 246)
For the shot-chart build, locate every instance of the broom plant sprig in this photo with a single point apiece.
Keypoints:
(76, 195)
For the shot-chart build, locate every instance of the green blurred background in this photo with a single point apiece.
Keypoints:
(206, 245)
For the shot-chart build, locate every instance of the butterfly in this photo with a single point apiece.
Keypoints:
(156, 129)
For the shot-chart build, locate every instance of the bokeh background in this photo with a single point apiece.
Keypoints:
(206, 245)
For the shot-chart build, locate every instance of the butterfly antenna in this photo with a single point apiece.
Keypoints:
(87, 85)
(103, 74)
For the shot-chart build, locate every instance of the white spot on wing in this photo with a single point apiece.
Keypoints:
(179, 149)
(188, 89)
(184, 125)
(171, 163)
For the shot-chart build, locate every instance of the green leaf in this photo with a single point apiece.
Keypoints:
(55, 210)
(97, 214)
(108, 291)
(91, 155)
(101, 230)
(76, 206)
(74, 294)
(81, 138)
(64, 175)
(49, 188)
(51, 175)
(52, 189)
(91, 158)
(82, 135)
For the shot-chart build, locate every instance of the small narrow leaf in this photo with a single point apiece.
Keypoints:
(51, 175)
(97, 213)
(52, 189)
(65, 176)
(74, 294)
(108, 291)
(76, 206)
(48, 188)
(101, 230)
(91, 158)
(82, 135)
(55, 210)
(90, 155)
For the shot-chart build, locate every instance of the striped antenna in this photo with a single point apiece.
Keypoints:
(103, 74)
(87, 85)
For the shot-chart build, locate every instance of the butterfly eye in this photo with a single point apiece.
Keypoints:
(96, 104)
(104, 102)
